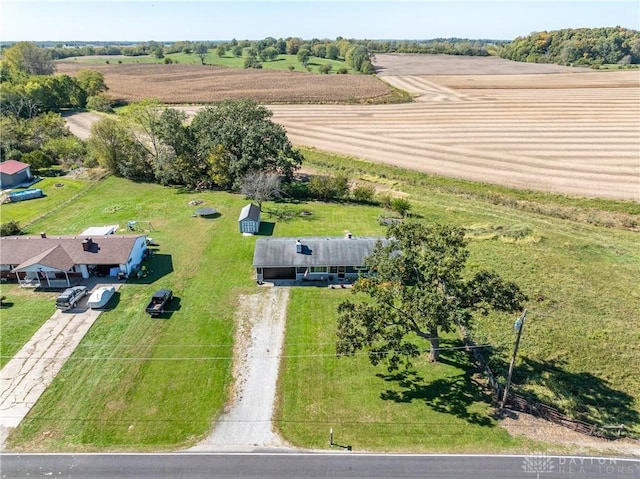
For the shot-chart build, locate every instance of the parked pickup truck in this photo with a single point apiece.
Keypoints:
(158, 302)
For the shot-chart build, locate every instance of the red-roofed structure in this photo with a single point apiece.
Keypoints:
(13, 173)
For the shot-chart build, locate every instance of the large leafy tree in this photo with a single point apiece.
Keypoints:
(30, 58)
(112, 144)
(418, 288)
(242, 139)
(91, 81)
(201, 51)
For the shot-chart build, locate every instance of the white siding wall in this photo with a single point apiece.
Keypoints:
(137, 253)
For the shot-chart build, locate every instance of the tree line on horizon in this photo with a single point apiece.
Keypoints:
(579, 46)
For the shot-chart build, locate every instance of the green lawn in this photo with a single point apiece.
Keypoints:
(442, 407)
(581, 345)
(283, 62)
(138, 382)
(21, 316)
(142, 383)
(56, 197)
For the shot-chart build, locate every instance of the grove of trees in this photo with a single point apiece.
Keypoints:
(220, 147)
(580, 46)
(31, 97)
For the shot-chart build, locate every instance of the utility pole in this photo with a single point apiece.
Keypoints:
(518, 326)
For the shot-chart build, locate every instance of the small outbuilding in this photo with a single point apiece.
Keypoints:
(249, 219)
(14, 173)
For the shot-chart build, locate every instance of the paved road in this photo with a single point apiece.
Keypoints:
(296, 465)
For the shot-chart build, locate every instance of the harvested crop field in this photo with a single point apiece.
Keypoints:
(576, 133)
(531, 126)
(207, 84)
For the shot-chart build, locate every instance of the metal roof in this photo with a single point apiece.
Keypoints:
(251, 212)
(100, 230)
(315, 251)
(11, 167)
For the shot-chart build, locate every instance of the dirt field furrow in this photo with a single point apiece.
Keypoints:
(514, 171)
(513, 161)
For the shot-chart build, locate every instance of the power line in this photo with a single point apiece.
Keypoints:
(220, 358)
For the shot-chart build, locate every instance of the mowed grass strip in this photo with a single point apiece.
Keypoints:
(138, 382)
(434, 407)
(55, 197)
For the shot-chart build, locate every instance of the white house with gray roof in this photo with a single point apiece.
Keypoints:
(52, 261)
(312, 258)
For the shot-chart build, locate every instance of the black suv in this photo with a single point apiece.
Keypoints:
(70, 297)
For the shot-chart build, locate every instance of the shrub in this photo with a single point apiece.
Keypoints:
(296, 190)
(364, 192)
(329, 187)
(10, 228)
(400, 206)
(342, 70)
(100, 102)
(385, 200)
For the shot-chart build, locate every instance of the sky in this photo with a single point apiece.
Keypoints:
(159, 20)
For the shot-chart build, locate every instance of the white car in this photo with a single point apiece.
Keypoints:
(100, 297)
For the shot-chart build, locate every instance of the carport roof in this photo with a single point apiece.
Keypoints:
(316, 251)
(55, 257)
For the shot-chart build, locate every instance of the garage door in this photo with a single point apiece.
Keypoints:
(279, 273)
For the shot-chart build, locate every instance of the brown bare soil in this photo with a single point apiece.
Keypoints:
(402, 64)
(208, 84)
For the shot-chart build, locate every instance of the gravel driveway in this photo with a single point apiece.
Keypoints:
(246, 424)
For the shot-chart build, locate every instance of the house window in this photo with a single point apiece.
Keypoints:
(361, 268)
(333, 269)
(301, 269)
(318, 269)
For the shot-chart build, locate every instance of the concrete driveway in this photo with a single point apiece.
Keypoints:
(32, 369)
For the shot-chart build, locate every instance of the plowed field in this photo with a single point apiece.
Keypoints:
(207, 84)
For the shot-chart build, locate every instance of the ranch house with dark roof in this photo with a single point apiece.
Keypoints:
(52, 261)
(312, 258)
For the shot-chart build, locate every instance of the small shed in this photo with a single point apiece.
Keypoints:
(14, 173)
(249, 219)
